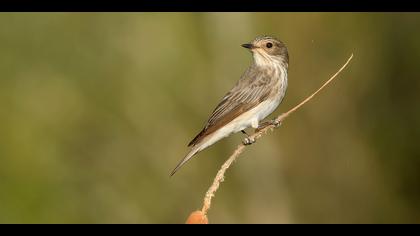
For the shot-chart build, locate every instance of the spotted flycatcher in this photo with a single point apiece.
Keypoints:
(256, 95)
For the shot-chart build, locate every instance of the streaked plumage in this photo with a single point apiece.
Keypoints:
(256, 95)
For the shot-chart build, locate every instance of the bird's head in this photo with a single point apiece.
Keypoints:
(265, 49)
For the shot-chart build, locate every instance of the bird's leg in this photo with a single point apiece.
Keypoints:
(248, 140)
(264, 124)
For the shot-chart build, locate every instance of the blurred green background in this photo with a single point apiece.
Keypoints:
(97, 109)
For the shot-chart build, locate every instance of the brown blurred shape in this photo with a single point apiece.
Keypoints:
(197, 217)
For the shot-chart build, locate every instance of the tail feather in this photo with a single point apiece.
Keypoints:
(194, 151)
(197, 138)
(199, 143)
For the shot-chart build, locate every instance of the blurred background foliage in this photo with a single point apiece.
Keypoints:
(97, 108)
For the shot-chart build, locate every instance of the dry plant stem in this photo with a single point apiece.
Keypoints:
(221, 173)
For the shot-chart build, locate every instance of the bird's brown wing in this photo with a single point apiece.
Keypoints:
(246, 95)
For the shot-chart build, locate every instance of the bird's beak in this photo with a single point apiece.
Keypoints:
(248, 45)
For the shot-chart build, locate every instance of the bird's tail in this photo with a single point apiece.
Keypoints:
(193, 151)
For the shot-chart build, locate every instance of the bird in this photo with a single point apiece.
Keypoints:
(257, 93)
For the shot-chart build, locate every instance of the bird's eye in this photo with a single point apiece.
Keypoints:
(269, 45)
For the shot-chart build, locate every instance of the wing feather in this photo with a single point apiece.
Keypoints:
(250, 91)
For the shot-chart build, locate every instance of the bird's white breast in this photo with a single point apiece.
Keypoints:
(252, 117)
(265, 108)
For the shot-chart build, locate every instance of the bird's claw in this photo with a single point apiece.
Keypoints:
(276, 123)
(262, 125)
(248, 141)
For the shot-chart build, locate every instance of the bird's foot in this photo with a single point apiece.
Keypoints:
(248, 140)
(276, 123)
(264, 124)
